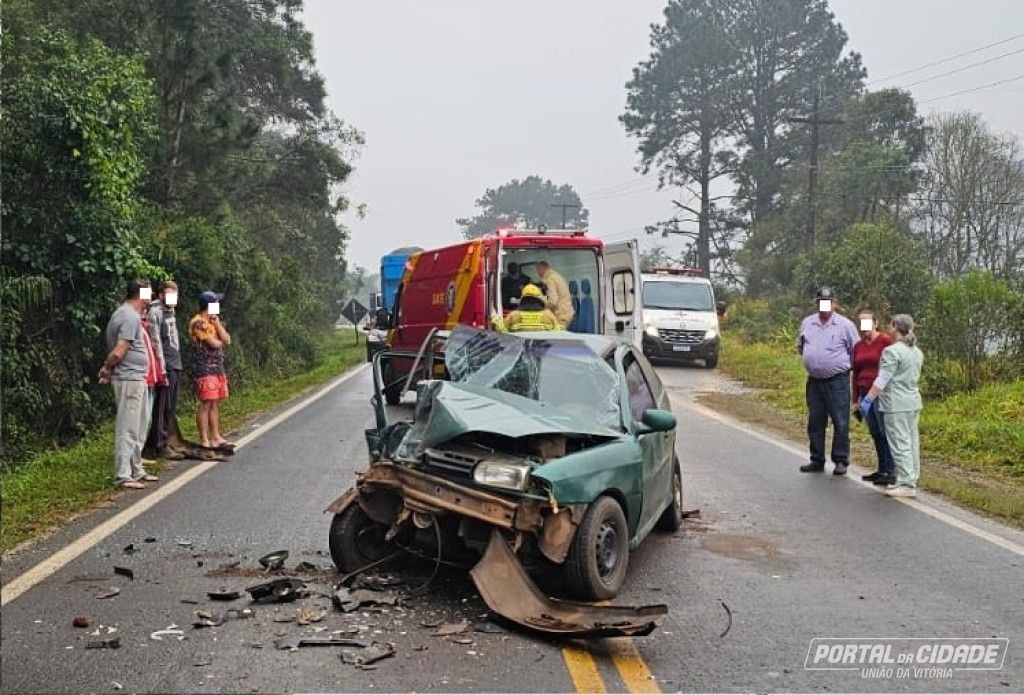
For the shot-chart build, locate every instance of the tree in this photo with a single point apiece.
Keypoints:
(76, 122)
(789, 51)
(529, 203)
(971, 213)
(874, 266)
(657, 257)
(871, 175)
(678, 107)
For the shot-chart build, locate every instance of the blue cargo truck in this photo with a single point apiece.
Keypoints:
(392, 266)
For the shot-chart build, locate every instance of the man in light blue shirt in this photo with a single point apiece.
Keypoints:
(825, 343)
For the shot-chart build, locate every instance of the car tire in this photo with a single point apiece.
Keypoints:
(356, 540)
(392, 386)
(672, 518)
(596, 565)
(711, 362)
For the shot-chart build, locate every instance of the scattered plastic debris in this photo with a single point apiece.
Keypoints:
(169, 631)
(369, 655)
(206, 661)
(183, 542)
(293, 642)
(130, 549)
(348, 601)
(377, 582)
(306, 567)
(452, 629)
(124, 572)
(488, 627)
(305, 616)
(282, 590)
(110, 643)
(274, 560)
(223, 594)
(728, 614)
(150, 539)
(80, 621)
(109, 593)
(431, 622)
(191, 601)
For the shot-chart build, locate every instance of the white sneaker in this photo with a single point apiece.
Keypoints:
(901, 491)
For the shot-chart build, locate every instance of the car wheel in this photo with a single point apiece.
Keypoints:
(711, 362)
(356, 540)
(599, 555)
(392, 386)
(672, 518)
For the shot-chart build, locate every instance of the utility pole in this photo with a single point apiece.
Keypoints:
(564, 206)
(815, 121)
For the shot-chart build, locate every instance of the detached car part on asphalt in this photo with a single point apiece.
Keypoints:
(550, 450)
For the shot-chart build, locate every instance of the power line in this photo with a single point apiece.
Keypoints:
(974, 89)
(966, 67)
(941, 61)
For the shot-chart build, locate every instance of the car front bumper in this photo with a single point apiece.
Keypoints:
(661, 349)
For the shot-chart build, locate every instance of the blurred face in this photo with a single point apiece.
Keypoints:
(146, 294)
(824, 306)
(170, 296)
(866, 324)
(213, 308)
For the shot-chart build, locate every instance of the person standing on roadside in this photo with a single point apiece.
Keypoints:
(866, 355)
(897, 394)
(125, 368)
(163, 331)
(556, 292)
(825, 342)
(209, 338)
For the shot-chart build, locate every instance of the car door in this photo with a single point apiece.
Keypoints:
(622, 312)
(654, 446)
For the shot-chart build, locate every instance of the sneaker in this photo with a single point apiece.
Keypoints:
(901, 491)
(871, 477)
(884, 480)
(812, 467)
(171, 455)
(840, 469)
(132, 485)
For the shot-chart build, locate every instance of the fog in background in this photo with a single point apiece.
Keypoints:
(455, 96)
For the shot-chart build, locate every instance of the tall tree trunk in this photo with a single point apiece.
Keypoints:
(704, 221)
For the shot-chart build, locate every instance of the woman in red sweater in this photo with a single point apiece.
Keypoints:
(866, 355)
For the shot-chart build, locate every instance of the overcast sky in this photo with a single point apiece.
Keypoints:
(456, 96)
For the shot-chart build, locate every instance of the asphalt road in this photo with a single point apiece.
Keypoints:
(792, 556)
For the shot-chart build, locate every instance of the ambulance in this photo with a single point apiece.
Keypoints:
(680, 316)
(466, 283)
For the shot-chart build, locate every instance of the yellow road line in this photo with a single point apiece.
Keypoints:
(631, 666)
(583, 669)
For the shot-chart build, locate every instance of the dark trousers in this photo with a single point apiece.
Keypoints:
(876, 426)
(165, 406)
(829, 399)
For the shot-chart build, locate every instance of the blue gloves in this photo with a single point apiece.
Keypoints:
(865, 405)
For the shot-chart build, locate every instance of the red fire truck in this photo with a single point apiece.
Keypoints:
(468, 282)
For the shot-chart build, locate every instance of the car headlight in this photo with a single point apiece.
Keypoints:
(710, 334)
(506, 475)
(651, 331)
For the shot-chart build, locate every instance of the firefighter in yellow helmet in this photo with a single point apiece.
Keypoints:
(531, 315)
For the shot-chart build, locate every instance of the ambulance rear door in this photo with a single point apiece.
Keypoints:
(623, 311)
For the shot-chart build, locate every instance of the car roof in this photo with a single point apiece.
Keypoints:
(600, 344)
(674, 278)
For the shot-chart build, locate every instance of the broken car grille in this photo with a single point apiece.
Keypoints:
(681, 337)
(450, 464)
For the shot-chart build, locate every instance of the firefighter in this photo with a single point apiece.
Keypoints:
(529, 316)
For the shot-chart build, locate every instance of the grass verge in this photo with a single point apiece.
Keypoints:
(972, 444)
(54, 486)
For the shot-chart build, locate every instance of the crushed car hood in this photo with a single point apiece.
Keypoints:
(446, 410)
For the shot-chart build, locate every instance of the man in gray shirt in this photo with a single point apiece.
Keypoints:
(125, 367)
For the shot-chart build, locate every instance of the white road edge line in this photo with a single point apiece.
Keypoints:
(965, 526)
(25, 581)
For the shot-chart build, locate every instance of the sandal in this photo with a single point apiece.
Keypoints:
(149, 478)
(132, 485)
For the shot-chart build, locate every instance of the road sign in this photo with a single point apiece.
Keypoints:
(354, 311)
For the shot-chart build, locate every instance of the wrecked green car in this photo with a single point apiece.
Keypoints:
(554, 451)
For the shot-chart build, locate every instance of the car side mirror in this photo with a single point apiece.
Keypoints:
(720, 308)
(657, 420)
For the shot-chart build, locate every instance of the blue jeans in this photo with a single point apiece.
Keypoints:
(876, 426)
(829, 399)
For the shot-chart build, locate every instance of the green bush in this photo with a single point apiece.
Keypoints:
(772, 321)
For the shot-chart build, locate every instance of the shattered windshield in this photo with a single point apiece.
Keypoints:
(562, 373)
